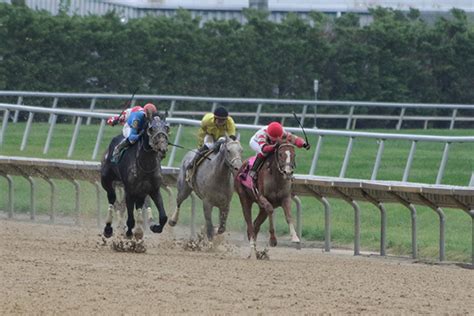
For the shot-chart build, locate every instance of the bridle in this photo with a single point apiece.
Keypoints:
(161, 132)
(230, 163)
(281, 166)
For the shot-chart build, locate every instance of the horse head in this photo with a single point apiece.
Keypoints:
(285, 159)
(232, 150)
(157, 132)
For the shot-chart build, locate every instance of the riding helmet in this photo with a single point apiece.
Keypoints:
(149, 108)
(221, 112)
(275, 130)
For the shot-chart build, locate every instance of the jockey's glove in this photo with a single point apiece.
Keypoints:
(299, 142)
(112, 121)
(268, 148)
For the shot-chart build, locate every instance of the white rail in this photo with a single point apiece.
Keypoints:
(353, 113)
(381, 138)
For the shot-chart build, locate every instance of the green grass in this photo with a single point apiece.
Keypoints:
(424, 169)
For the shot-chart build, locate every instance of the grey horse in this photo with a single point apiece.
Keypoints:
(213, 182)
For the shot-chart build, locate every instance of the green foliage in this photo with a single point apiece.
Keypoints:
(398, 57)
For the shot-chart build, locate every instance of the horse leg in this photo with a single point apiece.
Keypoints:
(271, 229)
(129, 200)
(286, 205)
(259, 220)
(267, 209)
(112, 197)
(223, 213)
(138, 216)
(158, 200)
(120, 226)
(208, 217)
(246, 203)
(184, 190)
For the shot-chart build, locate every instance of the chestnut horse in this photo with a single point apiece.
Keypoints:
(273, 190)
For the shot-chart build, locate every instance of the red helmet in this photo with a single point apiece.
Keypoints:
(149, 108)
(275, 130)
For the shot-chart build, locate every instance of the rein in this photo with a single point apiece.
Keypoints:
(280, 166)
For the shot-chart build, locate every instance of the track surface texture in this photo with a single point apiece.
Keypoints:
(65, 270)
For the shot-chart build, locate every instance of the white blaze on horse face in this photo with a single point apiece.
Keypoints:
(288, 162)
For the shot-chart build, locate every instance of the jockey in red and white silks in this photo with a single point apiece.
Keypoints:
(265, 140)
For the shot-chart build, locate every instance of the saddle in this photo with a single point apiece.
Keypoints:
(190, 173)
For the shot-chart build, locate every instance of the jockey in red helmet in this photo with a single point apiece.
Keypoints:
(265, 140)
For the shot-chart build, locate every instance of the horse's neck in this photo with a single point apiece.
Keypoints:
(221, 166)
(146, 156)
(274, 174)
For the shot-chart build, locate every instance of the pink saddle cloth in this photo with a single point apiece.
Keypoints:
(244, 175)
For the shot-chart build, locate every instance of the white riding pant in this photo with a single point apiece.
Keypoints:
(126, 130)
(209, 141)
(255, 146)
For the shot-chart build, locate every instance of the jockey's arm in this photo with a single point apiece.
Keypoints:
(112, 121)
(134, 135)
(206, 123)
(231, 130)
(136, 122)
(201, 134)
(297, 141)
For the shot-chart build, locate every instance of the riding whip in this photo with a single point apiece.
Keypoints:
(127, 104)
(304, 133)
(194, 151)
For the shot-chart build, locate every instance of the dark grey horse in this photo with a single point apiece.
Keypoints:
(213, 183)
(139, 170)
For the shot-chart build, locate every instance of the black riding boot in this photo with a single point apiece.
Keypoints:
(256, 166)
(124, 144)
(198, 155)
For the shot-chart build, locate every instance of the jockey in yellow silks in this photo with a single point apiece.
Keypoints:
(214, 126)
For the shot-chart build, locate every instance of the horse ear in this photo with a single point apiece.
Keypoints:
(166, 114)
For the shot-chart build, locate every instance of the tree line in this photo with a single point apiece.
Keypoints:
(399, 57)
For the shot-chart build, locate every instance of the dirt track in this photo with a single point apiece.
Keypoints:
(64, 270)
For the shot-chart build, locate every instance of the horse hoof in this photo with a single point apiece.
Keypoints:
(108, 231)
(273, 242)
(157, 228)
(172, 223)
(129, 234)
(221, 230)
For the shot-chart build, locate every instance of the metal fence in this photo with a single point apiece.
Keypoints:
(320, 134)
(313, 113)
(378, 193)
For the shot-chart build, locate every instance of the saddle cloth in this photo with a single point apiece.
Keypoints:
(243, 174)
